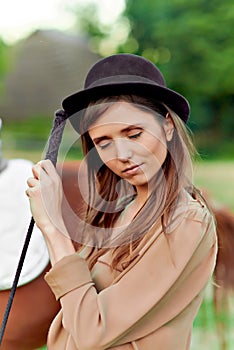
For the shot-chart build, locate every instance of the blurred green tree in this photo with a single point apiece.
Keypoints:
(192, 42)
(3, 62)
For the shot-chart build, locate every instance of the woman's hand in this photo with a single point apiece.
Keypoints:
(45, 194)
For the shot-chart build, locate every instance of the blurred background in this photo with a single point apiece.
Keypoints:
(47, 47)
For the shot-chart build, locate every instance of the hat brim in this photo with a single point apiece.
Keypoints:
(81, 99)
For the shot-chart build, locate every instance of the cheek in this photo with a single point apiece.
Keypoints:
(107, 157)
(154, 145)
(157, 149)
(104, 156)
(160, 149)
(162, 154)
(109, 160)
(113, 166)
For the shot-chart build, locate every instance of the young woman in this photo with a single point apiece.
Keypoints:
(147, 240)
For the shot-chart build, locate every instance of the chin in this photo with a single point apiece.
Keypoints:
(138, 182)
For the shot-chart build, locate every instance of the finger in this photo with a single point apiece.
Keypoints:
(30, 192)
(32, 182)
(39, 171)
(48, 166)
(45, 166)
(36, 170)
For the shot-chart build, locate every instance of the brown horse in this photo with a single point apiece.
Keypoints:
(224, 276)
(33, 309)
(34, 306)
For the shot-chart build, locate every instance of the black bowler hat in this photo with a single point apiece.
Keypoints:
(124, 74)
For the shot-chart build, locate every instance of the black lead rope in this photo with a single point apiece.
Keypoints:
(52, 154)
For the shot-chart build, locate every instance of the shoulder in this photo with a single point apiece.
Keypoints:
(191, 226)
(188, 210)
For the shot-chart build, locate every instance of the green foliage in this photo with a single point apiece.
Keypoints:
(23, 138)
(37, 127)
(28, 139)
(192, 43)
(92, 26)
(194, 37)
(2, 57)
(3, 62)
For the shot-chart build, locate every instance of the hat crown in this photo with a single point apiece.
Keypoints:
(121, 65)
(125, 74)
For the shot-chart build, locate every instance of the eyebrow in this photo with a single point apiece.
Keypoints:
(128, 128)
(132, 127)
(101, 138)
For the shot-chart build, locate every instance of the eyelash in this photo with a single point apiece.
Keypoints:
(134, 136)
(104, 146)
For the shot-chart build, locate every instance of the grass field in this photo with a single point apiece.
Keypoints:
(218, 178)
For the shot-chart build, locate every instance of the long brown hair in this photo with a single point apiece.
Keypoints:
(108, 194)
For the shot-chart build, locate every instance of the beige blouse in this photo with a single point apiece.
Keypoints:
(150, 305)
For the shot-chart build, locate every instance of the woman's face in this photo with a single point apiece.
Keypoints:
(131, 142)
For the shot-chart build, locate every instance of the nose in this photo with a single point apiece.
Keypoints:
(123, 149)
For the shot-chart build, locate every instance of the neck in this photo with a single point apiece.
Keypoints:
(143, 193)
(141, 198)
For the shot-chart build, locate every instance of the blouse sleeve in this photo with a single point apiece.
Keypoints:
(163, 281)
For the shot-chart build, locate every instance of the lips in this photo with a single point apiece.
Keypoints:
(132, 170)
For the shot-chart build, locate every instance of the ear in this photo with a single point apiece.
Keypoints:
(168, 127)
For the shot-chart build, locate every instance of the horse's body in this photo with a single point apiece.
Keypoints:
(34, 306)
(32, 311)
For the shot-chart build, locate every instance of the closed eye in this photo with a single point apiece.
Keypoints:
(103, 145)
(135, 136)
